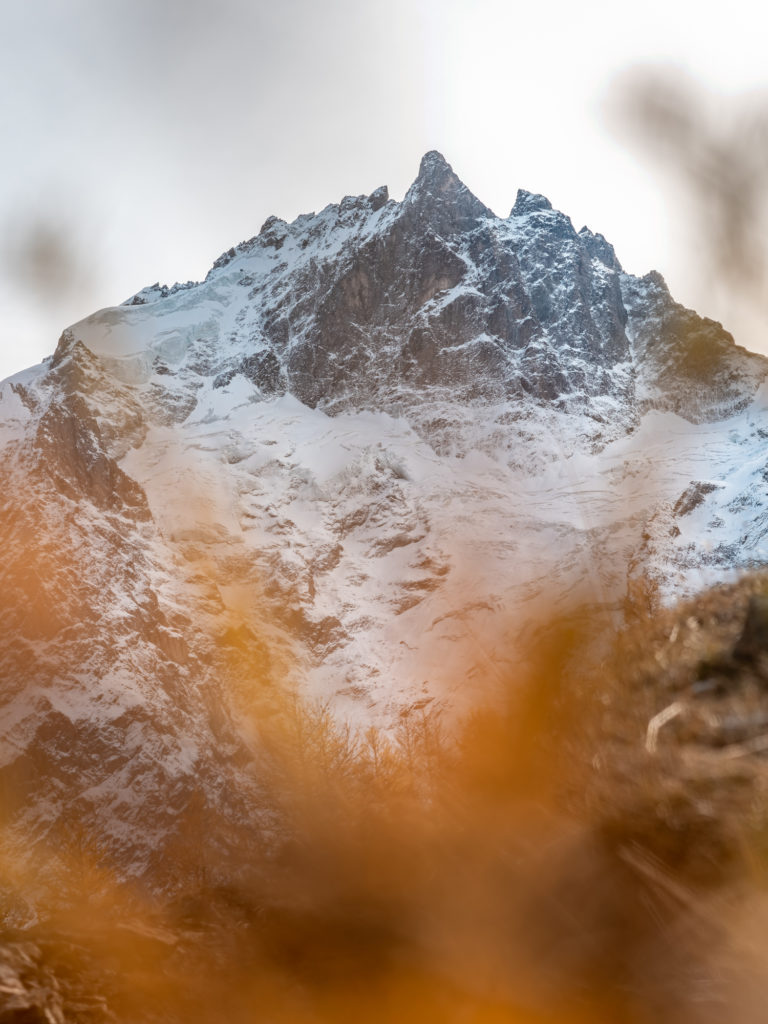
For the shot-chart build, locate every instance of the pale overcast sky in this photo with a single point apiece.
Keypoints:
(141, 138)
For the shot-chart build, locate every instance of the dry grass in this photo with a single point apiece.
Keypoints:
(535, 864)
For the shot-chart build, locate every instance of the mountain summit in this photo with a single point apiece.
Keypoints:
(436, 173)
(350, 457)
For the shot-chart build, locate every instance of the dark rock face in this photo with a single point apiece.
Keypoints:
(690, 364)
(444, 295)
(529, 202)
(97, 669)
(262, 368)
(693, 496)
(73, 447)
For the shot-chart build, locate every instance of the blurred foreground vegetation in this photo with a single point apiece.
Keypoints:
(575, 852)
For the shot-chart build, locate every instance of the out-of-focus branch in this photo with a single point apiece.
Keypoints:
(716, 149)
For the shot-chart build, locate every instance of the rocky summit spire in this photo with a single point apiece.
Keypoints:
(443, 196)
(435, 169)
(529, 202)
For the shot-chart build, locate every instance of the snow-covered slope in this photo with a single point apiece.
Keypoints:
(351, 460)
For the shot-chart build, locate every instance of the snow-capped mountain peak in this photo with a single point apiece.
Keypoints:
(346, 462)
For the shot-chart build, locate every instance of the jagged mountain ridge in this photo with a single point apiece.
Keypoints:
(349, 457)
(371, 298)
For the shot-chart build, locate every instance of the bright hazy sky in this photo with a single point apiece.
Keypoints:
(141, 138)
